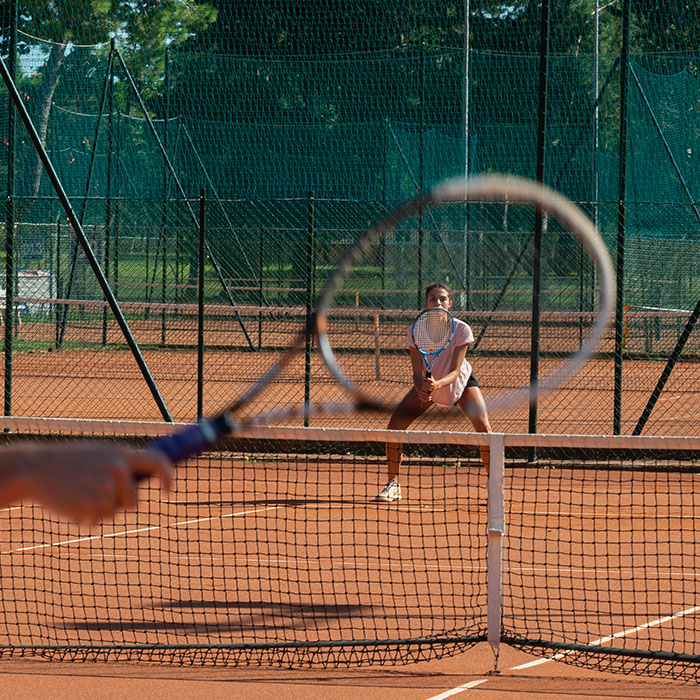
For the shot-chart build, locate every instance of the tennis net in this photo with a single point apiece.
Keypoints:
(274, 550)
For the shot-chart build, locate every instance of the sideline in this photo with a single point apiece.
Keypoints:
(561, 655)
(458, 689)
(125, 533)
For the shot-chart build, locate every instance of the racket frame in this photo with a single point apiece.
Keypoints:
(200, 436)
(432, 353)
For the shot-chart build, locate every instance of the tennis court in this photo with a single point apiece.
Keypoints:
(184, 182)
(108, 385)
(283, 558)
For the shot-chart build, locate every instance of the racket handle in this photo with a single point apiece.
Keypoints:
(192, 440)
(428, 374)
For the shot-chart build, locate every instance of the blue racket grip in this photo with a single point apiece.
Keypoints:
(193, 439)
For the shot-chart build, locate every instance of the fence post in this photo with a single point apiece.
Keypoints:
(9, 319)
(59, 284)
(108, 201)
(310, 278)
(621, 218)
(261, 286)
(200, 309)
(539, 216)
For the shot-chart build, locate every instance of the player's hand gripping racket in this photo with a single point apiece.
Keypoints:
(432, 332)
(361, 395)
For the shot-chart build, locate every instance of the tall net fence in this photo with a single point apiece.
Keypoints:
(273, 549)
(304, 123)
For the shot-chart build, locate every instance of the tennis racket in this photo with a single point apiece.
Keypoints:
(359, 395)
(432, 332)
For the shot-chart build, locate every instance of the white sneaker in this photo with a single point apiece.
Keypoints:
(391, 492)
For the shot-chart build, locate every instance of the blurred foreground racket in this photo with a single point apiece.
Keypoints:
(508, 190)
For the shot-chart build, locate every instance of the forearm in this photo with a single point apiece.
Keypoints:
(455, 369)
(17, 466)
(446, 380)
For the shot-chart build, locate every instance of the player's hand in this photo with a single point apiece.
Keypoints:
(425, 390)
(85, 481)
(429, 384)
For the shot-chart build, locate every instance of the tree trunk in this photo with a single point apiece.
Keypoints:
(50, 78)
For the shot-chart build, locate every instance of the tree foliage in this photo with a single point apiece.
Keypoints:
(141, 28)
(333, 64)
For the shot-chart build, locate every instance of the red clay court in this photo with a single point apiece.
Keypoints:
(280, 564)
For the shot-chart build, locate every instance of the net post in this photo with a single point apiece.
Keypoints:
(496, 533)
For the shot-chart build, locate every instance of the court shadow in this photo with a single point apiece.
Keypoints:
(240, 616)
(288, 502)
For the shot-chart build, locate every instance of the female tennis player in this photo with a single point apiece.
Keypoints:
(450, 382)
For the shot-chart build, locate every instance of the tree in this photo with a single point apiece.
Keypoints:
(140, 28)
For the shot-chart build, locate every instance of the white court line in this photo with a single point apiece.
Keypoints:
(145, 529)
(458, 689)
(595, 642)
(670, 573)
(137, 531)
(624, 633)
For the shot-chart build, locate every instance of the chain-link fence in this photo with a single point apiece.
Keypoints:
(304, 123)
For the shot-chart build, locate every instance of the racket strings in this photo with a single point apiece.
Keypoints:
(432, 330)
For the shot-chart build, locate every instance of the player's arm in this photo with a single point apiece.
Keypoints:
(419, 378)
(82, 481)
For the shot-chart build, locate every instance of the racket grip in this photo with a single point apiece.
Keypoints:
(194, 439)
(428, 373)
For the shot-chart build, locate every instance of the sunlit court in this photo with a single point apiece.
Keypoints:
(349, 349)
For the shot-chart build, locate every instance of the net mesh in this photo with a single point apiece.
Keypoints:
(274, 550)
(601, 559)
(260, 556)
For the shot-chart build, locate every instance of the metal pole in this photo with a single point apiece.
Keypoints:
(467, 149)
(261, 285)
(421, 178)
(200, 309)
(59, 285)
(10, 222)
(596, 112)
(621, 218)
(117, 201)
(164, 216)
(108, 202)
(80, 235)
(539, 217)
(310, 261)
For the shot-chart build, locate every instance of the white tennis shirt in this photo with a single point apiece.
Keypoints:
(450, 394)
